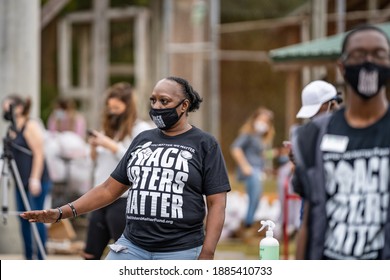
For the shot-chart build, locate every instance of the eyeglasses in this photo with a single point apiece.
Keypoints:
(331, 105)
(360, 55)
(338, 99)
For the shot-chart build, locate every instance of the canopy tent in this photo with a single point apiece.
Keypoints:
(319, 50)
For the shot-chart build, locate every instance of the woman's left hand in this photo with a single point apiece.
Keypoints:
(99, 139)
(34, 186)
(41, 216)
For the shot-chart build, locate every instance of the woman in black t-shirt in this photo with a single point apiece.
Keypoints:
(169, 170)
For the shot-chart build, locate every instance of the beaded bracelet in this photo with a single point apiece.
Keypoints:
(60, 216)
(73, 210)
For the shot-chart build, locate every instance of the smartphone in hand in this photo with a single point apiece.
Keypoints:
(90, 133)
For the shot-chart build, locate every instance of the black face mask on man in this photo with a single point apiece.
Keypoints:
(367, 78)
(165, 118)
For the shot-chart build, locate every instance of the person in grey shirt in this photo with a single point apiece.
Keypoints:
(255, 135)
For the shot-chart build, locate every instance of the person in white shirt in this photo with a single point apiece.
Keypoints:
(119, 126)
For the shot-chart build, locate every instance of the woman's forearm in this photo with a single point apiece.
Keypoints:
(214, 224)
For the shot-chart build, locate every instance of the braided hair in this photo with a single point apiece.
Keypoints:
(188, 92)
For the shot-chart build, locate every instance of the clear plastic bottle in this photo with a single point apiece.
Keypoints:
(269, 246)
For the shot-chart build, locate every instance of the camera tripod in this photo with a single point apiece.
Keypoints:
(7, 165)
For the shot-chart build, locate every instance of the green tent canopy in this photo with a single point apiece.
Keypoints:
(328, 48)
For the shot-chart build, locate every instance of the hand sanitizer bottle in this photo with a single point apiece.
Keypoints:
(269, 246)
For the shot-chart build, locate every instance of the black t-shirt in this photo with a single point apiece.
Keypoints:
(169, 176)
(356, 163)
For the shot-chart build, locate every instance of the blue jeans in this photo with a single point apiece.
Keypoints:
(36, 203)
(130, 251)
(254, 189)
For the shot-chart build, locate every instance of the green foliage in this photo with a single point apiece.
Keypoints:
(88, 4)
(121, 3)
(49, 95)
(122, 42)
(77, 6)
(118, 79)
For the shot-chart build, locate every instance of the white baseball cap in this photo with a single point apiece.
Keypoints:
(314, 95)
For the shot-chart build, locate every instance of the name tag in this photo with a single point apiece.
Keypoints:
(334, 143)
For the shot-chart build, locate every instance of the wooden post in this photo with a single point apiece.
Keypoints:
(64, 56)
(85, 69)
(293, 99)
(142, 69)
(50, 10)
(340, 16)
(215, 96)
(319, 23)
(305, 36)
(100, 59)
(372, 8)
(197, 26)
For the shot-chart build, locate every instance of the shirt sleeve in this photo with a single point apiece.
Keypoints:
(215, 178)
(240, 141)
(120, 172)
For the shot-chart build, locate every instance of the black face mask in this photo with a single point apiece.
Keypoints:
(165, 118)
(115, 120)
(367, 78)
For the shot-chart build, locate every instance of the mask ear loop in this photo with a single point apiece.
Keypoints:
(329, 106)
(187, 107)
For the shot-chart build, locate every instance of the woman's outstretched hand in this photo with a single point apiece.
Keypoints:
(41, 216)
